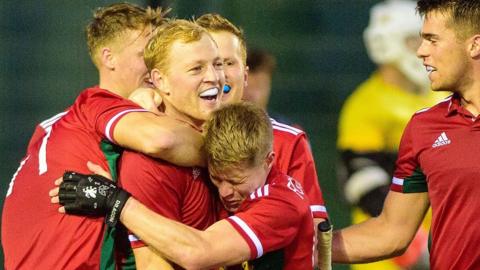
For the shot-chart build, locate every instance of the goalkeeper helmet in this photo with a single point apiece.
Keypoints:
(391, 24)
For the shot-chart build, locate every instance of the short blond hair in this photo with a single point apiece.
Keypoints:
(238, 135)
(110, 22)
(158, 49)
(216, 23)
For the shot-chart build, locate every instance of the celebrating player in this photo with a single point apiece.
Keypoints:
(437, 163)
(272, 221)
(34, 236)
(187, 72)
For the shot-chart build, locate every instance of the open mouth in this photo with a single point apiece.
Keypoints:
(209, 94)
(430, 69)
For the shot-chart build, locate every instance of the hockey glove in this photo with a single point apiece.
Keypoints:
(92, 195)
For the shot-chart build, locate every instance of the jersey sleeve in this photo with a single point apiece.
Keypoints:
(408, 176)
(302, 168)
(150, 182)
(107, 109)
(271, 221)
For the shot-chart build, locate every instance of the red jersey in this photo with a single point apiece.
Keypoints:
(294, 158)
(439, 154)
(34, 234)
(179, 193)
(276, 222)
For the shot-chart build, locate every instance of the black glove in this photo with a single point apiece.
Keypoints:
(92, 195)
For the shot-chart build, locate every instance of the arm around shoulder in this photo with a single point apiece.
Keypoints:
(190, 248)
(161, 137)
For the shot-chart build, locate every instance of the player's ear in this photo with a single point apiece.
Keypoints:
(269, 159)
(245, 76)
(158, 79)
(475, 47)
(107, 58)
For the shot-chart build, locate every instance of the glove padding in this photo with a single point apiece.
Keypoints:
(92, 195)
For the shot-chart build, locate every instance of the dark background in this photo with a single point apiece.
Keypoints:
(318, 44)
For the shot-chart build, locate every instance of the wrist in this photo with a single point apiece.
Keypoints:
(127, 208)
(116, 205)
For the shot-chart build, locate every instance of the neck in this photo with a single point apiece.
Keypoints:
(108, 82)
(469, 91)
(471, 102)
(393, 76)
(181, 116)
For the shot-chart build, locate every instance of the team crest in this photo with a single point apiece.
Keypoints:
(196, 173)
(295, 187)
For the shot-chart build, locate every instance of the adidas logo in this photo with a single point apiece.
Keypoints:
(441, 140)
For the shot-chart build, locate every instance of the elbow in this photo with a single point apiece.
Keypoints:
(399, 251)
(194, 260)
(399, 248)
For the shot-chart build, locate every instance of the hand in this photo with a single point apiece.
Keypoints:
(94, 168)
(92, 195)
(147, 98)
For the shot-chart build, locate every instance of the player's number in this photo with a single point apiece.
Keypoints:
(42, 154)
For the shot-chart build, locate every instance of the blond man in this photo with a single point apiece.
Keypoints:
(293, 155)
(272, 222)
(34, 236)
(187, 72)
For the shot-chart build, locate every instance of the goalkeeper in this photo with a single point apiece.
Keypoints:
(271, 222)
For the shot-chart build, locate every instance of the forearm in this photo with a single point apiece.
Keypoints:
(172, 240)
(186, 148)
(369, 241)
(161, 137)
(384, 236)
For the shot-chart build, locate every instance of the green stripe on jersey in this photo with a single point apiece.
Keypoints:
(107, 260)
(416, 182)
(270, 261)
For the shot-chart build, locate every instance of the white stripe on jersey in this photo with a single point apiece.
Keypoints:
(133, 238)
(283, 127)
(449, 98)
(110, 123)
(51, 120)
(318, 208)
(397, 181)
(260, 192)
(250, 233)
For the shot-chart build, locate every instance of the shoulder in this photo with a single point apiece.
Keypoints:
(96, 96)
(371, 88)
(283, 130)
(439, 109)
(281, 192)
(286, 185)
